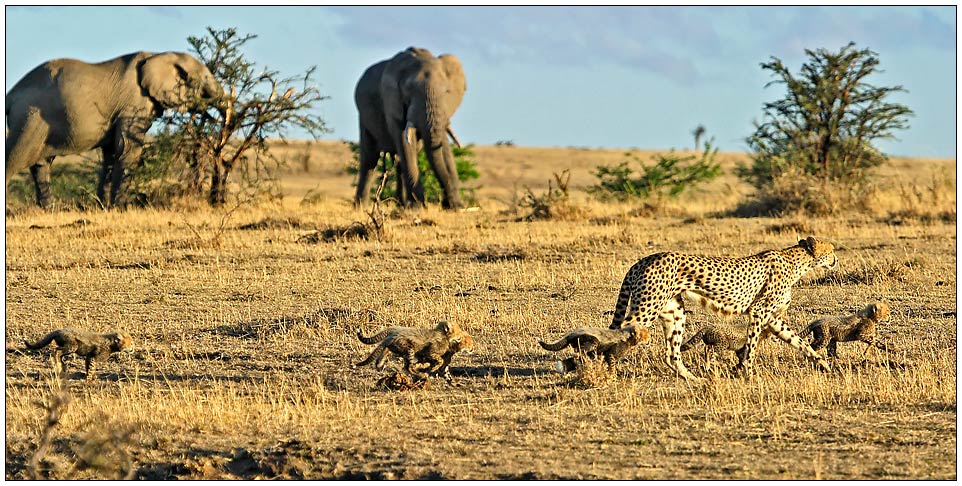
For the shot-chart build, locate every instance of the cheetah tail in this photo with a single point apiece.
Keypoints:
(694, 339)
(808, 329)
(41, 343)
(558, 346)
(373, 339)
(371, 357)
(621, 306)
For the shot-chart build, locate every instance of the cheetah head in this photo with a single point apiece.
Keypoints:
(877, 311)
(120, 341)
(462, 343)
(822, 251)
(449, 328)
(638, 335)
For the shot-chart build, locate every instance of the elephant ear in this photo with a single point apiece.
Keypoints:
(452, 67)
(164, 79)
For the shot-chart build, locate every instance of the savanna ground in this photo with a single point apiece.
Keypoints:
(244, 336)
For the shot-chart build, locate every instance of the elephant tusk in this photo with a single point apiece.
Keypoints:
(453, 137)
(410, 136)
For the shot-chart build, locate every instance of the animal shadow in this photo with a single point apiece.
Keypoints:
(495, 371)
(333, 317)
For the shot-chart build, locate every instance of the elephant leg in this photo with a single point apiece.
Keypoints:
(24, 147)
(450, 184)
(128, 146)
(104, 173)
(400, 182)
(367, 161)
(41, 181)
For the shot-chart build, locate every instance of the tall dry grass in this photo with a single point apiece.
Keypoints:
(244, 345)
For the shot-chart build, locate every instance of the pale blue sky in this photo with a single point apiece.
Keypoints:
(549, 76)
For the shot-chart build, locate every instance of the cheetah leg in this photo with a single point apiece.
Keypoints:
(786, 334)
(673, 319)
(758, 320)
(832, 349)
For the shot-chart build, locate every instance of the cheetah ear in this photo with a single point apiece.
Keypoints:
(808, 244)
(873, 311)
(444, 327)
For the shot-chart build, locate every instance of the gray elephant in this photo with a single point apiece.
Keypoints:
(67, 107)
(402, 101)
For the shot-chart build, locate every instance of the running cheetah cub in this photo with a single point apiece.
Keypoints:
(86, 344)
(590, 342)
(862, 326)
(423, 350)
(721, 338)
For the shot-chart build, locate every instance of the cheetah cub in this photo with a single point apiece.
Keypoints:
(86, 344)
(590, 342)
(862, 326)
(423, 350)
(720, 338)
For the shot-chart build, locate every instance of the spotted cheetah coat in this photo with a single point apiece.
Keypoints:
(758, 286)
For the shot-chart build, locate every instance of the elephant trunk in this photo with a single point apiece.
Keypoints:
(408, 166)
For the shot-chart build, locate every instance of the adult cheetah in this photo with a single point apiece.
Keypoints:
(758, 285)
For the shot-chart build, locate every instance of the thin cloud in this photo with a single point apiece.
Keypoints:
(166, 11)
(793, 29)
(656, 39)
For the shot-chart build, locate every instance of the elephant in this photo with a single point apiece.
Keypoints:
(401, 102)
(66, 106)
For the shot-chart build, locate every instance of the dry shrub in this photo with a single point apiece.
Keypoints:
(801, 194)
(797, 227)
(875, 274)
(55, 407)
(925, 202)
(899, 218)
(592, 373)
(105, 448)
(554, 204)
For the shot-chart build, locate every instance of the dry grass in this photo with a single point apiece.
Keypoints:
(243, 349)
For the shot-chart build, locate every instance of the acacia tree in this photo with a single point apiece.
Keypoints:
(259, 104)
(825, 125)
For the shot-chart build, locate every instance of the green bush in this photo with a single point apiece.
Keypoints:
(72, 185)
(467, 171)
(669, 176)
(817, 140)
